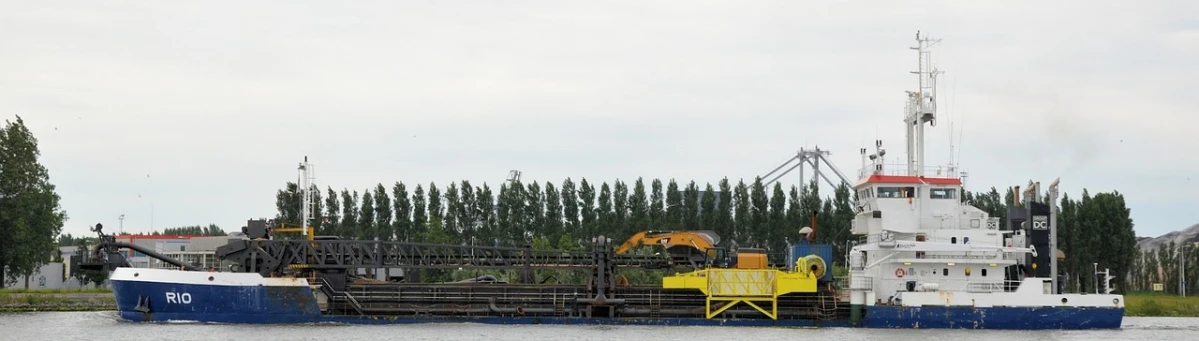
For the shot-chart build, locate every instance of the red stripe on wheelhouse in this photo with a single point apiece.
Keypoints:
(906, 179)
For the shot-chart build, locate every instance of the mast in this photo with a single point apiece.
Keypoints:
(921, 107)
(305, 185)
(1053, 213)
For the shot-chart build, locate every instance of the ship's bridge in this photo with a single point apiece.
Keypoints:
(891, 200)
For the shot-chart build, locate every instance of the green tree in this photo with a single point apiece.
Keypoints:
(776, 223)
(740, 213)
(403, 212)
(810, 202)
(553, 212)
(418, 212)
(674, 206)
(366, 217)
(332, 214)
(708, 217)
(795, 212)
(195, 230)
(349, 214)
(603, 214)
(657, 213)
(587, 208)
(759, 214)
(318, 224)
(841, 222)
(512, 223)
(435, 204)
(725, 206)
(570, 207)
(287, 202)
(690, 207)
(639, 218)
(453, 210)
(534, 213)
(30, 215)
(1067, 235)
(468, 211)
(382, 214)
(620, 210)
(486, 202)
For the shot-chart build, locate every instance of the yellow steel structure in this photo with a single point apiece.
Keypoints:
(284, 228)
(749, 286)
(311, 236)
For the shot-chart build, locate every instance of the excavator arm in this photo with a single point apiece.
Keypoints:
(700, 241)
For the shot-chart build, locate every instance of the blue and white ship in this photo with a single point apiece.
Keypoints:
(144, 294)
(929, 260)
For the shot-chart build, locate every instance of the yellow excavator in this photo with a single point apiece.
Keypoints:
(702, 242)
(674, 241)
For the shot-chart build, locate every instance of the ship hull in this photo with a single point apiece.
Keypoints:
(149, 295)
(1014, 318)
(146, 301)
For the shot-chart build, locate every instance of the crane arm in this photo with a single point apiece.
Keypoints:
(700, 240)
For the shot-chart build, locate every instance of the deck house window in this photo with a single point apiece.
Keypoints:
(942, 193)
(896, 192)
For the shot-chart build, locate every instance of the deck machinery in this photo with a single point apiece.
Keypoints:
(695, 289)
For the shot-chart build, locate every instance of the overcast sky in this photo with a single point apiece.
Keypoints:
(202, 110)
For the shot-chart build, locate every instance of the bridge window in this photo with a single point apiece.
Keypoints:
(896, 192)
(942, 193)
(984, 272)
(953, 240)
(864, 193)
(945, 272)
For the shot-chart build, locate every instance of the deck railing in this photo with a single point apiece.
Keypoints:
(939, 171)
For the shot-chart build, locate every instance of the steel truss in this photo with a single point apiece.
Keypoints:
(275, 256)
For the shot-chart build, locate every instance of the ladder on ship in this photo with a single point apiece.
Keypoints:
(337, 295)
(828, 307)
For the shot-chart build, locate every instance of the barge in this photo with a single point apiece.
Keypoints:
(924, 259)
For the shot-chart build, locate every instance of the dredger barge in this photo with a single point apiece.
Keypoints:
(925, 259)
(317, 279)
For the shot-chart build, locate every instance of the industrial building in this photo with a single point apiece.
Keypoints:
(195, 250)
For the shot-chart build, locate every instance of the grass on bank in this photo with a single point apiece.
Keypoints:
(26, 300)
(1158, 304)
(56, 291)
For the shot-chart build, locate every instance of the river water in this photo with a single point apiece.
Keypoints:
(107, 326)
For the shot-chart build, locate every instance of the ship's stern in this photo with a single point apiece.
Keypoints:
(145, 295)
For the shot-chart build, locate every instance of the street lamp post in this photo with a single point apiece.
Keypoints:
(151, 209)
(121, 226)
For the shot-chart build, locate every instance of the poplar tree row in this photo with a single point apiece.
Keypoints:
(749, 214)
(1093, 229)
(1161, 266)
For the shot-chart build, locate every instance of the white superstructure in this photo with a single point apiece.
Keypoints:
(923, 245)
